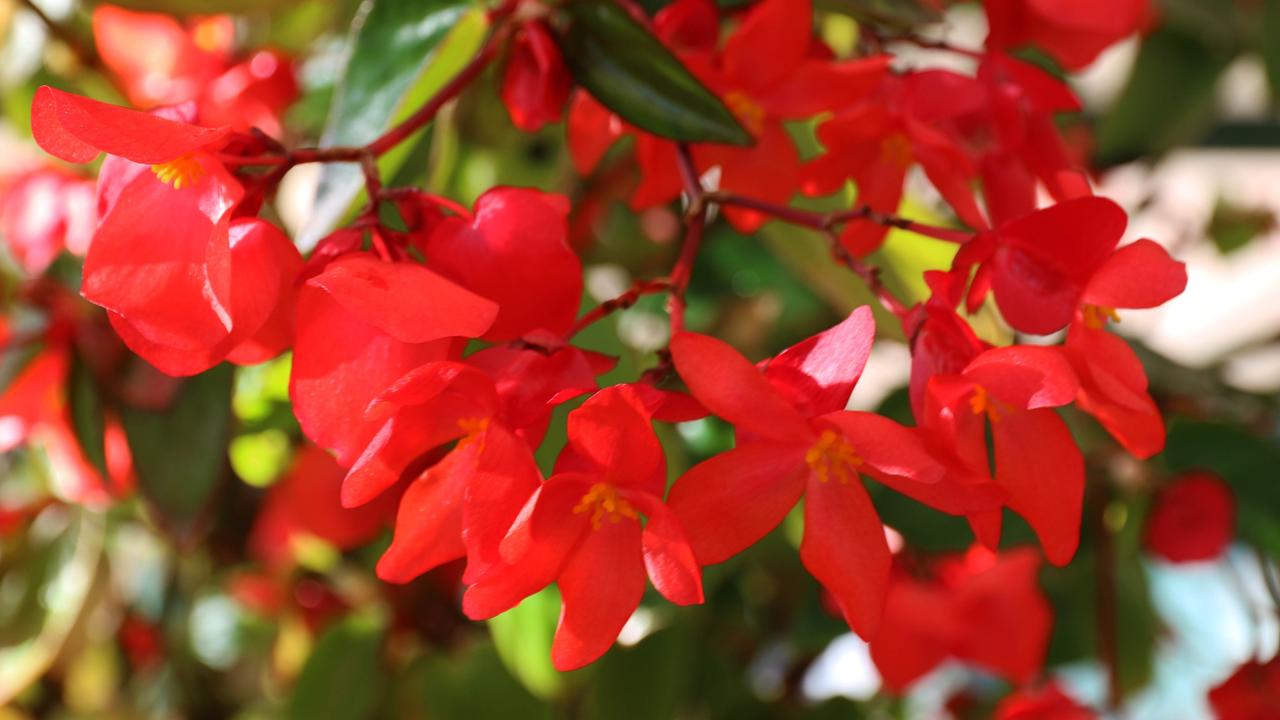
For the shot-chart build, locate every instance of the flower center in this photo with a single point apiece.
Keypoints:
(1096, 316)
(897, 150)
(982, 402)
(473, 427)
(180, 172)
(832, 455)
(602, 501)
(746, 109)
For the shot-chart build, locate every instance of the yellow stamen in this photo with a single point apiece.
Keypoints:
(474, 427)
(746, 109)
(982, 402)
(602, 500)
(1096, 316)
(180, 172)
(833, 455)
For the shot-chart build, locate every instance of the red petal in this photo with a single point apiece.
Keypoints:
(888, 449)
(505, 478)
(591, 131)
(405, 300)
(515, 253)
(1139, 275)
(668, 558)
(601, 585)
(76, 129)
(264, 267)
(845, 549)
(1038, 462)
(819, 85)
(731, 387)
(1007, 618)
(1025, 376)
(768, 171)
(733, 499)
(769, 44)
(535, 84)
(916, 634)
(818, 374)
(613, 430)
(403, 439)
(429, 522)
(1113, 388)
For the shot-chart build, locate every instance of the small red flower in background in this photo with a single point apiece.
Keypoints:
(185, 284)
(1073, 32)
(795, 439)
(1252, 693)
(982, 608)
(305, 502)
(1193, 518)
(581, 529)
(1045, 703)
(44, 211)
(160, 62)
(535, 83)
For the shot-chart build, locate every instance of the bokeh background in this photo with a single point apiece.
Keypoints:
(114, 610)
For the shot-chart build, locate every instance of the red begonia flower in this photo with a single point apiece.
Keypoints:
(1073, 32)
(794, 439)
(876, 141)
(516, 253)
(535, 83)
(1045, 703)
(981, 608)
(1036, 459)
(1252, 693)
(581, 529)
(1192, 519)
(304, 503)
(1038, 266)
(43, 211)
(942, 343)
(362, 324)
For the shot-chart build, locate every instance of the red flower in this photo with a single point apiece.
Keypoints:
(1073, 32)
(185, 285)
(770, 70)
(304, 502)
(160, 62)
(795, 439)
(878, 140)
(1036, 460)
(514, 252)
(1045, 703)
(43, 211)
(1252, 693)
(535, 83)
(982, 608)
(581, 529)
(1194, 518)
(362, 323)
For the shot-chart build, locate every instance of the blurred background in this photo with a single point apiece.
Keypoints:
(222, 593)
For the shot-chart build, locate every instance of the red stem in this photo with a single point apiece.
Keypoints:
(695, 219)
(829, 221)
(621, 302)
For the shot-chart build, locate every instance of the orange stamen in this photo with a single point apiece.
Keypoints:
(180, 172)
(1096, 316)
(832, 455)
(602, 501)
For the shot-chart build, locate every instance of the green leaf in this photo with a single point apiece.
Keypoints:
(633, 74)
(523, 635)
(395, 45)
(473, 685)
(88, 415)
(180, 453)
(1270, 46)
(894, 14)
(342, 679)
(1168, 99)
(645, 682)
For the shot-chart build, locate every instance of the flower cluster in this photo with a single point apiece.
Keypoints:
(429, 355)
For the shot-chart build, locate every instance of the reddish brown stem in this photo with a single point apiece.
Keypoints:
(621, 302)
(830, 221)
(695, 220)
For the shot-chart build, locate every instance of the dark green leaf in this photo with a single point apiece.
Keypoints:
(1270, 46)
(1168, 99)
(88, 415)
(1232, 227)
(473, 685)
(392, 44)
(645, 681)
(342, 679)
(633, 74)
(180, 453)
(893, 14)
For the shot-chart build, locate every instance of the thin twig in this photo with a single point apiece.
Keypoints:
(621, 302)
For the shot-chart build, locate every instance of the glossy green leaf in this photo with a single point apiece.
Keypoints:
(523, 637)
(180, 453)
(342, 679)
(633, 74)
(1168, 99)
(394, 47)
